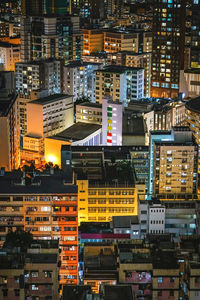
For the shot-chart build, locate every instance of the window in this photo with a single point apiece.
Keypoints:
(16, 279)
(45, 208)
(5, 292)
(48, 286)
(17, 292)
(47, 274)
(35, 287)
(34, 274)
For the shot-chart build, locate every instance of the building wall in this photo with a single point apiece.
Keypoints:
(4, 144)
(9, 56)
(177, 166)
(101, 204)
(156, 219)
(88, 114)
(111, 123)
(114, 42)
(52, 150)
(35, 120)
(93, 41)
(46, 217)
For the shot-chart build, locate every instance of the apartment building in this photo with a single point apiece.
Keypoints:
(168, 47)
(33, 274)
(121, 41)
(134, 60)
(79, 79)
(192, 119)
(45, 205)
(50, 37)
(166, 277)
(135, 268)
(93, 41)
(9, 55)
(34, 76)
(49, 115)
(173, 162)
(120, 83)
(100, 265)
(88, 112)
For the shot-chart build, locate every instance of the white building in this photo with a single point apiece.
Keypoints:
(79, 79)
(112, 116)
(122, 84)
(50, 115)
(156, 219)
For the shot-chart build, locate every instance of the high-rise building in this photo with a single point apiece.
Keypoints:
(192, 119)
(92, 41)
(40, 7)
(38, 75)
(56, 6)
(45, 205)
(79, 79)
(50, 37)
(135, 60)
(115, 41)
(168, 47)
(173, 162)
(32, 8)
(87, 9)
(195, 37)
(120, 83)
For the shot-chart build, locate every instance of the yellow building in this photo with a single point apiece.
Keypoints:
(92, 41)
(102, 203)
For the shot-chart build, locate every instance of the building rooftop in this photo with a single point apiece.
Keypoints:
(193, 71)
(133, 125)
(76, 292)
(124, 221)
(11, 184)
(118, 292)
(106, 149)
(77, 132)
(79, 63)
(193, 105)
(90, 104)
(50, 99)
(118, 69)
